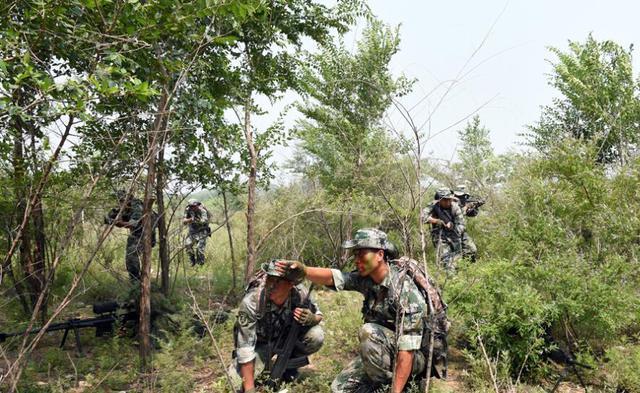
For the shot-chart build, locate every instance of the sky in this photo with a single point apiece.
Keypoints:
(508, 79)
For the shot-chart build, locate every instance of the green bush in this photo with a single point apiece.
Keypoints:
(493, 304)
(622, 369)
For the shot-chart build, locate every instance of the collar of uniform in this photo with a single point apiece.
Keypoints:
(386, 281)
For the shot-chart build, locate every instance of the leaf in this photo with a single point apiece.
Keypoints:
(224, 40)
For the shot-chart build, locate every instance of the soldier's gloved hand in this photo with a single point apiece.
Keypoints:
(305, 317)
(294, 271)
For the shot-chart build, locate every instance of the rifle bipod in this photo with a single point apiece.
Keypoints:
(76, 333)
(565, 372)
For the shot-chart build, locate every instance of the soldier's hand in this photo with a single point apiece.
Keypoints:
(294, 271)
(305, 317)
(448, 225)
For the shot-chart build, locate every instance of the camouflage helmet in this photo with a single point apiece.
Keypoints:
(270, 269)
(443, 193)
(459, 194)
(368, 238)
(193, 202)
(460, 191)
(120, 194)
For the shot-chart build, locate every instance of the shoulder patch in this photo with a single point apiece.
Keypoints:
(244, 319)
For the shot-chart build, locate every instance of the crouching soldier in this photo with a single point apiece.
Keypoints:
(391, 340)
(265, 316)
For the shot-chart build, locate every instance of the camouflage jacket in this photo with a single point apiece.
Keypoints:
(132, 213)
(454, 215)
(200, 217)
(395, 300)
(261, 322)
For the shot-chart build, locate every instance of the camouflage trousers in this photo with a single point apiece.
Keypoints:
(448, 251)
(308, 343)
(469, 249)
(374, 365)
(135, 248)
(195, 243)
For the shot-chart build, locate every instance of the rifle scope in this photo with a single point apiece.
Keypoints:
(105, 307)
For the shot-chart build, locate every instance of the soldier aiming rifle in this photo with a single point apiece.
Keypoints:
(129, 215)
(470, 206)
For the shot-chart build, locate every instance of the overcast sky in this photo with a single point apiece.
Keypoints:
(510, 82)
(507, 82)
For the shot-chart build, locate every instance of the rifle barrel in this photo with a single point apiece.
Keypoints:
(69, 324)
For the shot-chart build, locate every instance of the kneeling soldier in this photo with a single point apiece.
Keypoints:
(265, 316)
(393, 308)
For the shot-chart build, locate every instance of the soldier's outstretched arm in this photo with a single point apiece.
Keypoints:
(320, 275)
(296, 269)
(404, 363)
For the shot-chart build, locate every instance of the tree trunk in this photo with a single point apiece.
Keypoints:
(145, 285)
(233, 256)
(251, 193)
(162, 223)
(37, 282)
(37, 278)
(19, 182)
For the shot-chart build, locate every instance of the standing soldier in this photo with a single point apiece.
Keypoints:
(469, 206)
(266, 314)
(391, 339)
(447, 227)
(131, 212)
(196, 216)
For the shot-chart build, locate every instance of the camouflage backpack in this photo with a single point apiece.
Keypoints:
(436, 319)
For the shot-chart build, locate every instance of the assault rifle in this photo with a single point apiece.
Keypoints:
(107, 316)
(284, 360)
(110, 217)
(470, 204)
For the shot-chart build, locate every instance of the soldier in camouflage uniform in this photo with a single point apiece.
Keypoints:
(447, 227)
(468, 246)
(131, 218)
(393, 311)
(196, 216)
(265, 316)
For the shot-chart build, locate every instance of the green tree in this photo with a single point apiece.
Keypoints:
(267, 67)
(479, 168)
(600, 101)
(344, 142)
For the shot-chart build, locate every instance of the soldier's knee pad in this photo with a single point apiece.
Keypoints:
(314, 339)
(372, 345)
(368, 332)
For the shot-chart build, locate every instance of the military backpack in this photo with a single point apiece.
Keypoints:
(435, 320)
